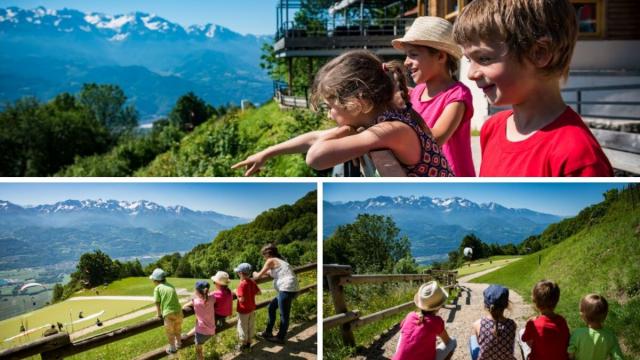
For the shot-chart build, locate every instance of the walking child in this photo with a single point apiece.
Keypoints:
(419, 329)
(367, 99)
(444, 103)
(168, 308)
(223, 296)
(246, 293)
(203, 304)
(594, 342)
(546, 336)
(519, 52)
(493, 334)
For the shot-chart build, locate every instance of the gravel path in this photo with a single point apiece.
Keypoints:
(458, 317)
(302, 343)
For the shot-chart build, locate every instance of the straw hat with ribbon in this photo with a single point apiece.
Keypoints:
(430, 31)
(430, 297)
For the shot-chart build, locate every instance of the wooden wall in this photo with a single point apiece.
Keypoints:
(622, 19)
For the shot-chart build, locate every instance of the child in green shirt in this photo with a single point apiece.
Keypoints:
(168, 308)
(594, 342)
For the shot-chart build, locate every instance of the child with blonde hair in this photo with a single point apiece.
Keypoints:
(367, 98)
(545, 336)
(595, 342)
(519, 51)
(494, 334)
(418, 330)
(444, 103)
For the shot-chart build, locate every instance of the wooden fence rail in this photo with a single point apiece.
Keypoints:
(337, 276)
(59, 346)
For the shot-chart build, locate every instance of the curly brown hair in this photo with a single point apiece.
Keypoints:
(358, 75)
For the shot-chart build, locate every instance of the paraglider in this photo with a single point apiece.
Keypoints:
(468, 252)
(31, 285)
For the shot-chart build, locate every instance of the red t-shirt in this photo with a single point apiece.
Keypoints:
(248, 290)
(549, 337)
(565, 147)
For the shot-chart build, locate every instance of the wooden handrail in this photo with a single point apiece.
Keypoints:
(377, 279)
(60, 345)
(340, 275)
(188, 340)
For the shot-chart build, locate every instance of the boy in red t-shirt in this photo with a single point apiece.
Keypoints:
(519, 51)
(546, 336)
(246, 293)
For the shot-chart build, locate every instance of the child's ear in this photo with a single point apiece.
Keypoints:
(540, 54)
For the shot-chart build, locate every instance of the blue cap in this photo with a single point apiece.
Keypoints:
(158, 275)
(496, 295)
(243, 268)
(201, 285)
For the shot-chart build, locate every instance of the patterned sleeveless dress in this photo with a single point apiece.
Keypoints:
(498, 346)
(432, 161)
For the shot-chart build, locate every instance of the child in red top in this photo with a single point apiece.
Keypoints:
(519, 51)
(547, 335)
(246, 293)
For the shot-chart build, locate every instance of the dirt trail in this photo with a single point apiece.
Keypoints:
(458, 318)
(302, 343)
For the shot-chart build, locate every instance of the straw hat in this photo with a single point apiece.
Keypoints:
(430, 296)
(221, 277)
(430, 31)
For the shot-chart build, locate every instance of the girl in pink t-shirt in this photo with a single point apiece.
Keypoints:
(445, 104)
(418, 330)
(203, 304)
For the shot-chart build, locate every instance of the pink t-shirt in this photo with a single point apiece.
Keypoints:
(458, 148)
(418, 340)
(224, 302)
(205, 315)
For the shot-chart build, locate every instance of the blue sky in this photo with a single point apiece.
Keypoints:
(238, 199)
(243, 16)
(553, 198)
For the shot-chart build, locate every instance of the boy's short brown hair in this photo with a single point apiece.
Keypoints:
(594, 308)
(521, 24)
(546, 294)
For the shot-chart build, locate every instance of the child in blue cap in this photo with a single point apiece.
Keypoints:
(494, 333)
(203, 304)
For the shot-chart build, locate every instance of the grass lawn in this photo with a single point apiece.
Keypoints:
(485, 264)
(62, 312)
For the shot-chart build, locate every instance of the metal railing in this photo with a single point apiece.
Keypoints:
(359, 27)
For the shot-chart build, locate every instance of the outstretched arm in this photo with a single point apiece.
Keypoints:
(268, 265)
(299, 144)
(396, 136)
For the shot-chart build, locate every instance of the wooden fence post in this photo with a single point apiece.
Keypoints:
(339, 302)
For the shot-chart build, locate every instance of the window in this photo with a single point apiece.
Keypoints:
(590, 14)
(452, 8)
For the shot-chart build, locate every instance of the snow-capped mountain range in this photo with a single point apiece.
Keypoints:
(436, 226)
(114, 27)
(51, 233)
(112, 206)
(44, 52)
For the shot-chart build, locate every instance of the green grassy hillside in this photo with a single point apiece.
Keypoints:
(219, 143)
(603, 257)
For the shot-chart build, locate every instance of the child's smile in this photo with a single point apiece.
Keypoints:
(500, 76)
